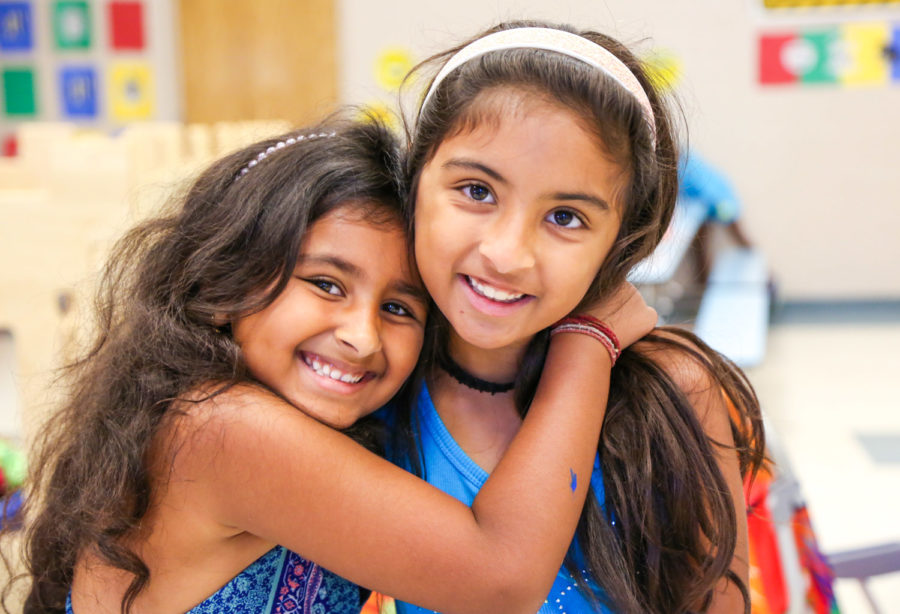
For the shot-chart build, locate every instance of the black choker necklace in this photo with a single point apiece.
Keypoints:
(470, 381)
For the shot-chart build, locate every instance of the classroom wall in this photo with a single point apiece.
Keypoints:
(132, 64)
(816, 166)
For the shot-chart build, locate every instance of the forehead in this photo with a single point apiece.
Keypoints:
(492, 107)
(370, 223)
(371, 238)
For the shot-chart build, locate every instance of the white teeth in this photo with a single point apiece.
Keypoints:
(333, 372)
(493, 293)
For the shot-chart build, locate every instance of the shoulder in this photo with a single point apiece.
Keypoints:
(694, 369)
(216, 448)
(212, 430)
(679, 354)
(213, 409)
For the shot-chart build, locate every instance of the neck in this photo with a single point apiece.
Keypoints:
(494, 365)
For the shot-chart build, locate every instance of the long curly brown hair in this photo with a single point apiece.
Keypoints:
(674, 534)
(168, 290)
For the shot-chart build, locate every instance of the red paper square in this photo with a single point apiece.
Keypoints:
(126, 25)
(771, 67)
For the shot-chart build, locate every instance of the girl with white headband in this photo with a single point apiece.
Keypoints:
(542, 167)
(197, 464)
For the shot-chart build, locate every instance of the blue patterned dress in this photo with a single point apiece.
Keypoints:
(281, 582)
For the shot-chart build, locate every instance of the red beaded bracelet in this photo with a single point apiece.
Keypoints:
(591, 326)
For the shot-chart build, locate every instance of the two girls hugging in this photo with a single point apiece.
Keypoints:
(341, 366)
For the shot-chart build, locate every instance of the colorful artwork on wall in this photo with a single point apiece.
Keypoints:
(850, 55)
(131, 91)
(391, 66)
(803, 4)
(895, 54)
(78, 89)
(91, 61)
(126, 25)
(19, 96)
(72, 24)
(16, 29)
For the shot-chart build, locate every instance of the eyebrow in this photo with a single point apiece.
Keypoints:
(338, 263)
(468, 163)
(582, 196)
(412, 290)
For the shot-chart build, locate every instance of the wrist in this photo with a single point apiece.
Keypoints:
(582, 349)
(591, 327)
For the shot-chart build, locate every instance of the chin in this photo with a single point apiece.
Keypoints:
(337, 422)
(489, 340)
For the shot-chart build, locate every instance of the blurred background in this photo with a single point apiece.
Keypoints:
(785, 253)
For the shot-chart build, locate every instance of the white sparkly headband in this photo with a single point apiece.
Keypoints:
(280, 145)
(559, 41)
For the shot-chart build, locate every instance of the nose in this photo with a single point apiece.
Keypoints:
(360, 330)
(508, 244)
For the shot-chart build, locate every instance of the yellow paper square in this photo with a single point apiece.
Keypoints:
(864, 45)
(131, 91)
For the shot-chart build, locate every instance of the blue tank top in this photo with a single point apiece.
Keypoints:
(449, 468)
(281, 582)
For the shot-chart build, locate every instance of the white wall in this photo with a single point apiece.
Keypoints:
(817, 168)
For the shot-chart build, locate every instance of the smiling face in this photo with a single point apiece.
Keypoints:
(513, 220)
(346, 332)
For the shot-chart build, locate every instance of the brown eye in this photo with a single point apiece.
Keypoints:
(326, 286)
(396, 309)
(565, 218)
(478, 192)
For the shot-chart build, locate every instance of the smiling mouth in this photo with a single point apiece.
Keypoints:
(490, 292)
(326, 369)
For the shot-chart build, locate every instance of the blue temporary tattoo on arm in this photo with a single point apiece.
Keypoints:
(574, 479)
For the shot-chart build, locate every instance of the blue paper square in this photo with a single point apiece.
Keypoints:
(895, 54)
(15, 26)
(78, 88)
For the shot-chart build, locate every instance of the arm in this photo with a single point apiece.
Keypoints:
(713, 413)
(260, 466)
(714, 416)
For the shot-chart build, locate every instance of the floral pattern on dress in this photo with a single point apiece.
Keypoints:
(306, 588)
(280, 582)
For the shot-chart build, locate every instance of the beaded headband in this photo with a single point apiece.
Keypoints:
(280, 145)
(559, 41)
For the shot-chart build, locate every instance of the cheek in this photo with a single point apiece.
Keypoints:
(406, 352)
(430, 250)
(403, 350)
(245, 335)
(572, 283)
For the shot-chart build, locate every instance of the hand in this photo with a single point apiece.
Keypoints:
(626, 313)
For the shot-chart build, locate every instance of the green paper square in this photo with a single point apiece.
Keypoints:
(825, 43)
(18, 91)
(72, 24)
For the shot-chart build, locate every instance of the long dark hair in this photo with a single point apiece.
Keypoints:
(675, 530)
(167, 293)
